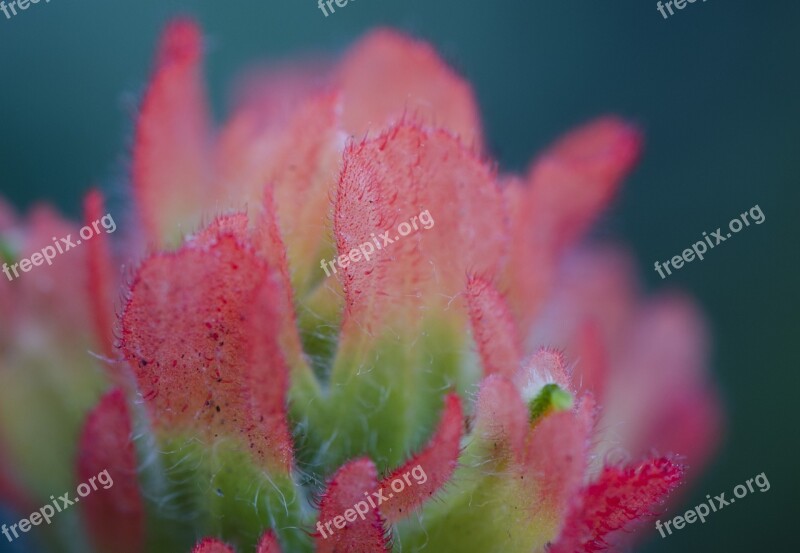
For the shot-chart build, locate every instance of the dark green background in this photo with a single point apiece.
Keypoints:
(715, 88)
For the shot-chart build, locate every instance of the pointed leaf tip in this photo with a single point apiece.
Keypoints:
(431, 468)
(114, 516)
(102, 282)
(388, 74)
(350, 489)
(568, 188)
(494, 328)
(170, 169)
(576, 178)
(546, 366)
(181, 42)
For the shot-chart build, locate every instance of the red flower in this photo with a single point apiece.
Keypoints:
(244, 377)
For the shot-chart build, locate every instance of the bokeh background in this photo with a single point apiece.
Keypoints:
(715, 87)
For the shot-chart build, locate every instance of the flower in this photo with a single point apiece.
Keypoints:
(250, 399)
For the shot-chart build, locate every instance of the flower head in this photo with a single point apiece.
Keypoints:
(252, 401)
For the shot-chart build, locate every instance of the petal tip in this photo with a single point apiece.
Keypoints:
(182, 41)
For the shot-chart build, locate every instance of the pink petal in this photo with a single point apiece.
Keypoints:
(574, 181)
(269, 544)
(303, 174)
(389, 180)
(616, 499)
(546, 366)
(210, 545)
(193, 322)
(267, 377)
(592, 369)
(655, 373)
(49, 295)
(171, 151)
(388, 75)
(268, 239)
(181, 329)
(567, 188)
(115, 516)
(298, 159)
(494, 328)
(102, 282)
(438, 461)
(662, 378)
(501, 419)
(266, 99)
(557, 456)
(269, 243)
(350, 485)
(595, 286)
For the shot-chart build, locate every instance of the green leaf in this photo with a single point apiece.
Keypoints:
(550, 399)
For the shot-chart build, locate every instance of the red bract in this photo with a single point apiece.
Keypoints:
(201, 331)
(439, 458)
(399, 174)
(114, 516)
(495, 332)
(350, 485)
(388, 75)
(617, 498)
(173, 139)
(102, 281)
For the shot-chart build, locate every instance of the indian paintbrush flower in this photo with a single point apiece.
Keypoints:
(238, 397)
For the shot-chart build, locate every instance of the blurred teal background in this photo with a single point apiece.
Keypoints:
(715, 88)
